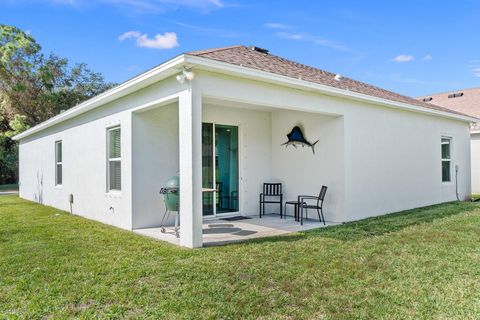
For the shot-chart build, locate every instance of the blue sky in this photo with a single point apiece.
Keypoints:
(411, 47)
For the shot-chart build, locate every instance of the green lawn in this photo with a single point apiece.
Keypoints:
(421, 263)
(8, 187)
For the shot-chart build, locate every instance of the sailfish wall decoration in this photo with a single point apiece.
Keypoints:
(296, 138)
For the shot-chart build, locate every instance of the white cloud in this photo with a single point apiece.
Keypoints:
(474, 67)
(133, 67)
(403, 58)
(73, 3)
(427, 57)
(166, 40)
(312, 39)
(476, 71)
(397, 77)
(211, 32)
(160, 6)
(144, 6)
(274, 25)
(129, 35)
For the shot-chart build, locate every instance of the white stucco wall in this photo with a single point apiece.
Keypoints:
(392, 157)
(301, 171)
(393, 160)
(155, 160)
(475, 159)
(84, 160)
(84, 145)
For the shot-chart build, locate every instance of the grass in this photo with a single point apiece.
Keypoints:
(8, 187)
(415, 264)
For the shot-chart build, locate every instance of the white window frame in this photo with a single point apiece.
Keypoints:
(449, 160)
(57, 142)
(110, 160)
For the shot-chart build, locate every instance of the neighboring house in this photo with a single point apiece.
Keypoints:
(466, 101)
(378, 151)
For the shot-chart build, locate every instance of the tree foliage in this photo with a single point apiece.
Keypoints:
(33, 88)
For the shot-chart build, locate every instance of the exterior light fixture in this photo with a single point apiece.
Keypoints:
(186, 74)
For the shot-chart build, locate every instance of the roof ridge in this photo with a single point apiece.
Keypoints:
(346, 78)
(446, 92)
(201, 52)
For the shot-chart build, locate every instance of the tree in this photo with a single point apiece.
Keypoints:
(35, 87)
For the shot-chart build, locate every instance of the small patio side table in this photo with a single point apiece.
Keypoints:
(296, 208)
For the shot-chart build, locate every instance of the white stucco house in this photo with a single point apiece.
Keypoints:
(466, 101)
(221, 116)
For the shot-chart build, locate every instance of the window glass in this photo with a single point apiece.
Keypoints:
(58, 163)
(58, 151)
(445, 171)
(445, 148)
(115, 175)
(446, 159)
(114, 149)
(114, 162)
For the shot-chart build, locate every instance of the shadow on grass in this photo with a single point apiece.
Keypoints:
(377, 226)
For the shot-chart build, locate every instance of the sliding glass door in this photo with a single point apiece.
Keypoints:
(220, 180)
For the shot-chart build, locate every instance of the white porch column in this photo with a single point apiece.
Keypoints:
(190, 154)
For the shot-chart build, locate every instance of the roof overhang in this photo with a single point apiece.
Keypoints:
(172, 66)
(231, 69)
(143, 80)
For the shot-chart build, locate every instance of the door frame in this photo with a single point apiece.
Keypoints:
(240, 171)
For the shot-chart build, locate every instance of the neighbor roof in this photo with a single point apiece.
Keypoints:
(466, 101)
(256, 58)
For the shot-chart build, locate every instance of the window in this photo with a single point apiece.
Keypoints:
(58, 163)
(114, 161)
(446, 159)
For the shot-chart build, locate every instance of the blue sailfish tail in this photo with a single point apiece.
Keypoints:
(313, 146)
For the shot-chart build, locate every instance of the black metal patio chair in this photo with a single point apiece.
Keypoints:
(302, 204)
(272, 193)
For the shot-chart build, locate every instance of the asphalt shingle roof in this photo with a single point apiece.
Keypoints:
(250, 58)
(468, 102)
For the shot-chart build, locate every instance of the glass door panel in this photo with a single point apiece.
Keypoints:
(226, 168)
(207, 168)
(220, 168)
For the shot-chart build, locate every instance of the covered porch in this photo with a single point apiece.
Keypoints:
(224, 149)
(239, 147)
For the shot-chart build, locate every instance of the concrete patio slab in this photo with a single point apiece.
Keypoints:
(220, 232)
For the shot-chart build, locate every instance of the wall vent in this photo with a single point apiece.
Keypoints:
(455, 95)
(427, 99)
